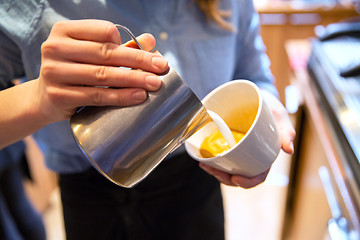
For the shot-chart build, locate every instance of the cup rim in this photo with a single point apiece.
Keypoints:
(228, 84)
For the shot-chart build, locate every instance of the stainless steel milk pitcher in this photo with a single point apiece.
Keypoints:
(126, 143)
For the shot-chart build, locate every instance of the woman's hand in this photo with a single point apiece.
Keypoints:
(81, 58)
(80, 66)
(235, 180)
(287, 133)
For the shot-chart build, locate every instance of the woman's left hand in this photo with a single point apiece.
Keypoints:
(287, 133)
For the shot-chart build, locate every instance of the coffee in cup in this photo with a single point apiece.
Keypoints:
(241, 105)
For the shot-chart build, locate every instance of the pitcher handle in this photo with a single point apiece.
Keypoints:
(130, 34)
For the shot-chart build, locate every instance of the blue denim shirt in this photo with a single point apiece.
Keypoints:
(204, 54)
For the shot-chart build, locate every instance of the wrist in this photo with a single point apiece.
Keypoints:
(22, 117)
(33, 108)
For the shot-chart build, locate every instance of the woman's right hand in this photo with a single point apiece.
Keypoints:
(81, 58)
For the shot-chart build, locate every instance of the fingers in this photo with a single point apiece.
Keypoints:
(87, 30)
(97, 75)
(249, 182)
(97, 96)
(219, 175)
(287, 140)
(106, 54)
(87, 52)
(100, 31)
(81, 55)
(286, 129)
(235, 180)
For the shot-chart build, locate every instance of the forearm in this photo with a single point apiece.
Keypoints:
(20, 115)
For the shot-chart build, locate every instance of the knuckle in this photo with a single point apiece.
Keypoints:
(55, 96)
(101, 73)
(132, 76)
(120, 99)
(96, 98)
(59, 25)
(47, 69)
(140, 58)
(48, 48)
(107, 51)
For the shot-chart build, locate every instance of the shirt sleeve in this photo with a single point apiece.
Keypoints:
(11, 66)
(252, 62)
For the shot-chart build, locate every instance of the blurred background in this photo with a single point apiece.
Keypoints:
(314, 48)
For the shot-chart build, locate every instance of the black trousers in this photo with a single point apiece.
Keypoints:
(177, 200)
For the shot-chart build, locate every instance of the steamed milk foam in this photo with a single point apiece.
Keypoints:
(221, 139)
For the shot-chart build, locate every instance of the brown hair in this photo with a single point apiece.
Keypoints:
(212, 12)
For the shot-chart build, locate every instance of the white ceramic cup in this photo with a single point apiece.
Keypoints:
(242, 106)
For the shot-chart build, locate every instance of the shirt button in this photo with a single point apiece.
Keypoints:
(163, 36)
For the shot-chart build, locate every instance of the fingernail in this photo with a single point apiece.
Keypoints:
(159, 62)
(139, 95)
(153, 82)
